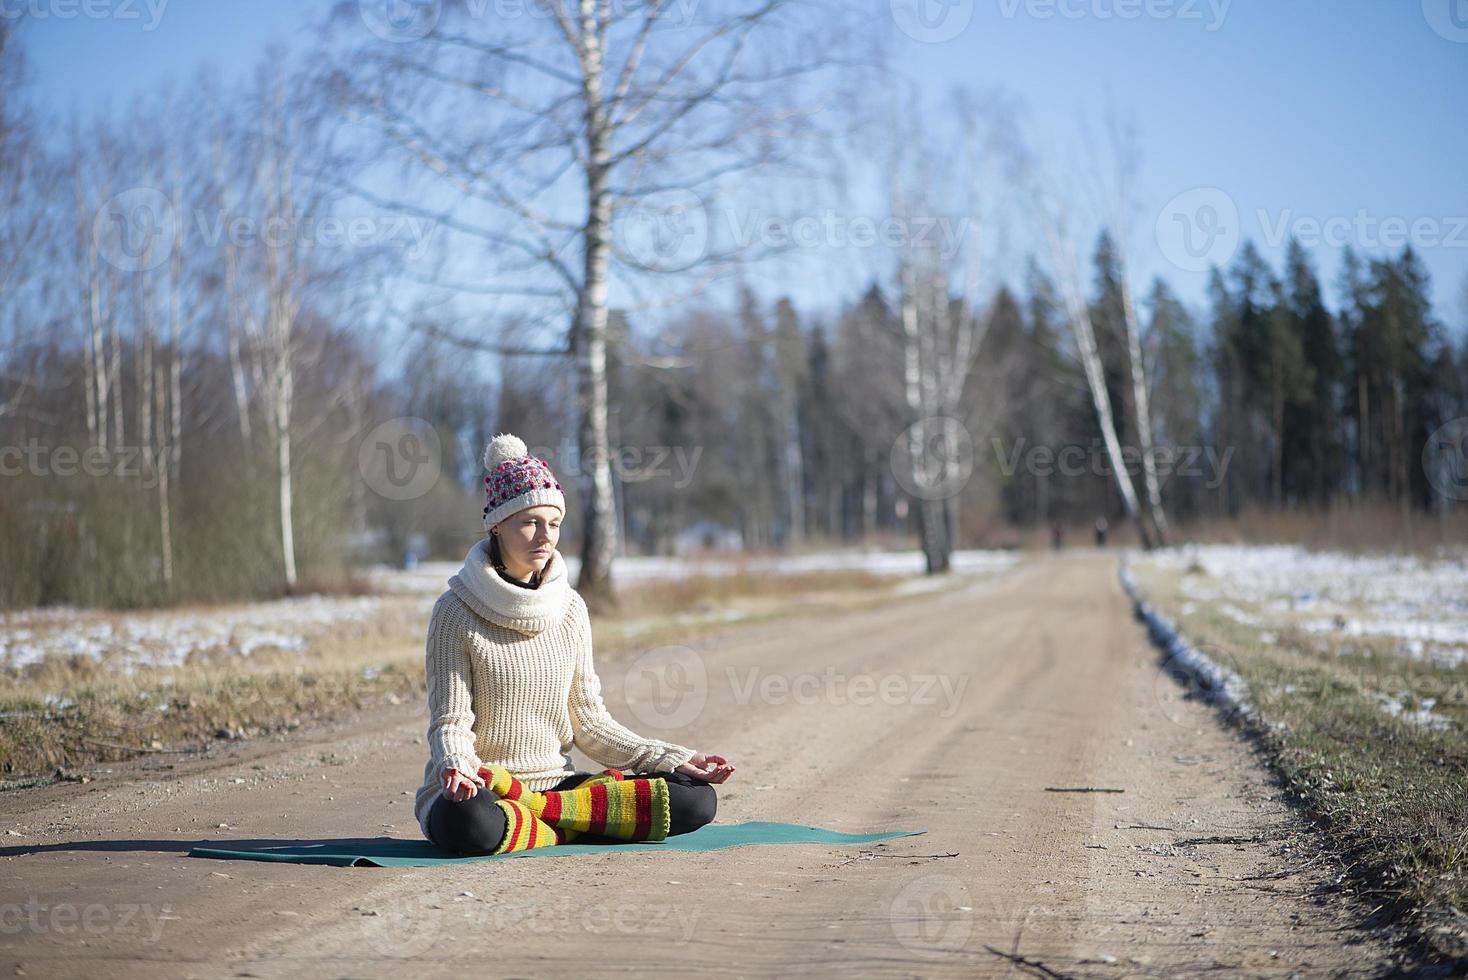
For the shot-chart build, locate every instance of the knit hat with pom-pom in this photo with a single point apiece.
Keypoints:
(516, 480)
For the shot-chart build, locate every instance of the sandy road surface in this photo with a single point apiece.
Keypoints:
(1038, 679)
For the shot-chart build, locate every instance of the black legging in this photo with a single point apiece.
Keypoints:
(476, 825)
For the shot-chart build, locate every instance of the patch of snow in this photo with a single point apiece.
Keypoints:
(169, 637)
(1412, 630)
(1238, 615)
(1394, 705)
(1228, 687)
(1421, 602)
(166, 638)
(431, 578)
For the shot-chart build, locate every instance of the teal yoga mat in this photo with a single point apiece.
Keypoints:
(389, 852)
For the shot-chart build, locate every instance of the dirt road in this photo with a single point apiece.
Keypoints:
(975, 702)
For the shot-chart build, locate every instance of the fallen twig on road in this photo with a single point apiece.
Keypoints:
(1082, 789)
(1019, 960)
(867, 855)
(1233, 839)
(1282, 873)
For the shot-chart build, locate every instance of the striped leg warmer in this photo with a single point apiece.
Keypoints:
(523, 829)
(565, 835)
(605, 805)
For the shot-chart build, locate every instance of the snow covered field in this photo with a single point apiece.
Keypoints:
(429, 577)
(169, 638)
(1414, 608)
(1422, 605)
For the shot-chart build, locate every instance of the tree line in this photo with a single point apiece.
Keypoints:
(203, 322)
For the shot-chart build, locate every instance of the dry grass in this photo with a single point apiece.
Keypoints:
(70, 712)
(67, 712)
(1364, 528)
(713, 593)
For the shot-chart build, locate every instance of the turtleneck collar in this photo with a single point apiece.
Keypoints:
(514, 581)
(513, 604)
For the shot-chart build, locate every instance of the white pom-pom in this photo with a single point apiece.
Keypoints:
(502, 447)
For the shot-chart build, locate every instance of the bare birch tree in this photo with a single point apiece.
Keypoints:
(24, 170)
(139, 235)
(1078, 313)
(926, 427)
(94, 157)
(1142, 406)
(241, 331)
(1120, 203)
(281, 291)
(91, 288)
(943, 327)
(790, 374)
(580, 142)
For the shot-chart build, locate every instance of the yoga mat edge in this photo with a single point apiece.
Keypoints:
(419, 853)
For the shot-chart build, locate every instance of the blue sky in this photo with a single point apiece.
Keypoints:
(1340, 119)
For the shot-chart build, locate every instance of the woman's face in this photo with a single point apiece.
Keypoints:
(528, 537)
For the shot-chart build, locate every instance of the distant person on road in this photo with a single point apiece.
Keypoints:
(512, 687)
(1101, 532)
(1057, 536)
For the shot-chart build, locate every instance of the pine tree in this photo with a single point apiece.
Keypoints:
(1397, 343)
(1176, 396)
(1315, 445)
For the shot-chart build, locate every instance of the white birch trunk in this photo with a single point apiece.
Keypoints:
(869, 495)
(236, 363)
(282, 306)
(283, 466)
(86, 266)
(794, 473)
(161, 467)
(1142, 405)
(931, 519)
(175, 336)
(1085, 337)
(114, 380)
(598, 544)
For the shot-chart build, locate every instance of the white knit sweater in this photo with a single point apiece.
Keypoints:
(511, 682)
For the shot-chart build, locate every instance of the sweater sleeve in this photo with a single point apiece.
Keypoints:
(450, 692)
(598, 734)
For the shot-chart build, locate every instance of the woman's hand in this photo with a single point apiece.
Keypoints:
(457, 787)
(709, 768)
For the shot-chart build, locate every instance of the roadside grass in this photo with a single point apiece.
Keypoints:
(1354, 528)
(1392, 791)
(66, 713)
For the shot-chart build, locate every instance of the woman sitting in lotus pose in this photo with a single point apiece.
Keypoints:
(511, 688)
